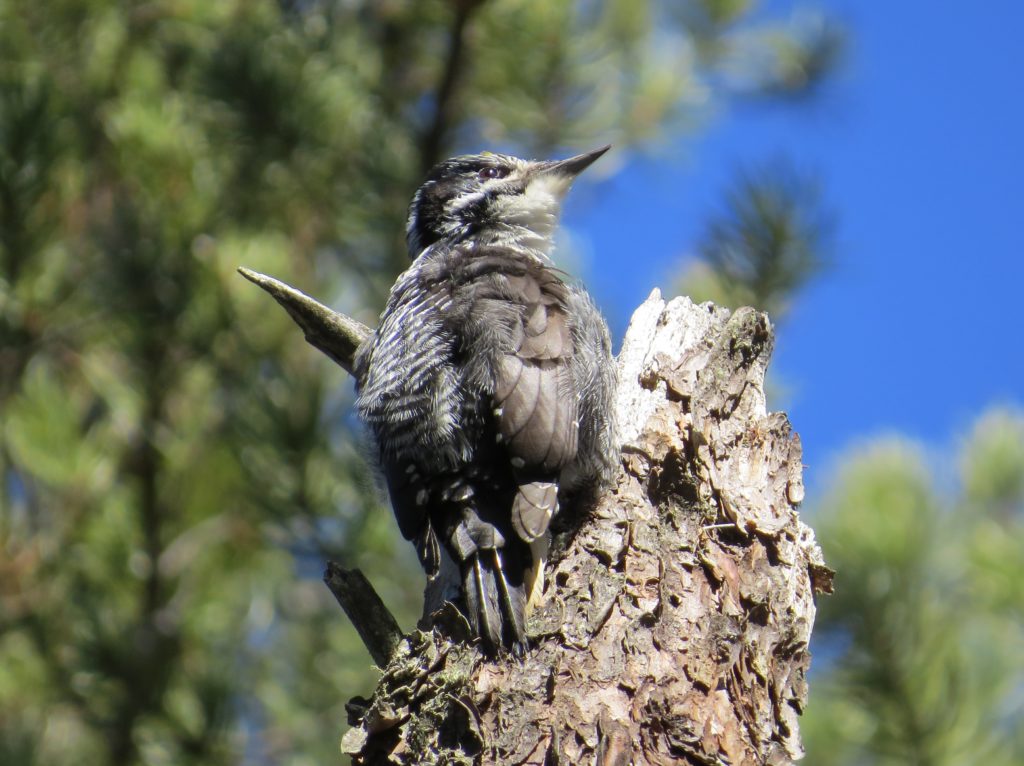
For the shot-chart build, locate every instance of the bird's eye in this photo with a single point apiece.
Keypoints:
(492, 171)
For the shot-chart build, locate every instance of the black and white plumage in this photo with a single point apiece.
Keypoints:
(488, 383)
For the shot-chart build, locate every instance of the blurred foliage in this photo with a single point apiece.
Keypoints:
(772, 236)
(923, 638)
(176, 462)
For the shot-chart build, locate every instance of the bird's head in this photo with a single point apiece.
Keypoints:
(495, 196)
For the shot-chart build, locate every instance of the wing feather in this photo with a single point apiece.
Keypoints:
(535, 397)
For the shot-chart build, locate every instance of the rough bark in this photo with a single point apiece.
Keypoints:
(679, 603)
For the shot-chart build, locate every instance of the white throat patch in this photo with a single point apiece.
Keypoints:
(537, 207)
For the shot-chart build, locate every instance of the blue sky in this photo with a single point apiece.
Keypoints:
(919, 142)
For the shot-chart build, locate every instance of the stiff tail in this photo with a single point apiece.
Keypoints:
(496, 608)
(493, 582)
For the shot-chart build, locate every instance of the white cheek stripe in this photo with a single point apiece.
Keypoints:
(458, 203)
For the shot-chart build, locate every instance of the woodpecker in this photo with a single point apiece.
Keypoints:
(487, 387)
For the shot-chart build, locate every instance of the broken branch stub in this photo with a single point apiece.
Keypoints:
(334, 334)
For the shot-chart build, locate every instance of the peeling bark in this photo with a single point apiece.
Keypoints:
(678, 604)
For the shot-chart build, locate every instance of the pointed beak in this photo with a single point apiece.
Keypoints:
(573, 166)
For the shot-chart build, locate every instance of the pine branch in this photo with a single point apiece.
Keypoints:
(440, 122)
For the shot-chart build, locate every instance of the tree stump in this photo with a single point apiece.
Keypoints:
(678, 604)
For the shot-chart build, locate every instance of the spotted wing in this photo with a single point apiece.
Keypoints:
(535, 399)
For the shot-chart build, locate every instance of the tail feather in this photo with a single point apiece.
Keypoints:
(481, 596)
(495, 608)
(513, 601)
(495, 577)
